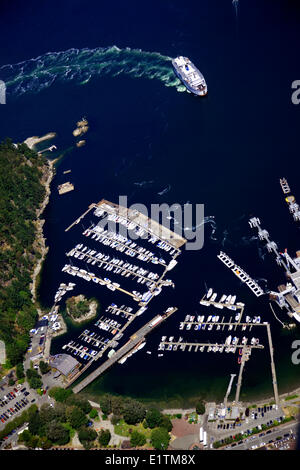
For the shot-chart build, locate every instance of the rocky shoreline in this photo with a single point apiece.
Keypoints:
(40, 240)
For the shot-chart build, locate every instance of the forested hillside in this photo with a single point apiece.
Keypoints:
(21, 194)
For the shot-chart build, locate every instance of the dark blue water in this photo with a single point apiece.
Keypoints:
(226, 151)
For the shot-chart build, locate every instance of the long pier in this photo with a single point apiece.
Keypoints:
(136, 338)
(274, 379)
(245, 357)
(92, 206)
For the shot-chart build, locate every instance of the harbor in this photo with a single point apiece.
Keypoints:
(243, 346)
(288, 295)
(138, 271)
(135, 340)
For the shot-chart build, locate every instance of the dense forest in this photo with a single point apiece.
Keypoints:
(21, 194)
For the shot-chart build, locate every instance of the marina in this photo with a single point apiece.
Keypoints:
(147, 283)
(288, 295)
(135, 340)
(290, 199)
(243, 346)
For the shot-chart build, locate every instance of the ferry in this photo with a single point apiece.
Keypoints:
(190, 76)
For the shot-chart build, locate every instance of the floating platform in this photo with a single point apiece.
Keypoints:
(65, 187)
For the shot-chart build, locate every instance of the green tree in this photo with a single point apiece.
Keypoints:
(115, 419)
(60, 412)
(35, 383)
(104, 437)
(57, 433)
(166, 423)
(87, 437)
(117, 405)
(93, 413)
(82, 403)
(133, 411)
(46, 414)
(153, 418)
(200, 407)
(20, 371)
(105, 404)
(44, 367)
(60, 394)
(44, 443)
(76, 417)
(137, 439)
(34, 424)
(160, 438)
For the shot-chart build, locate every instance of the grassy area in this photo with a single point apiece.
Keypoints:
(291, 397)
(290, 411)
(122, 429)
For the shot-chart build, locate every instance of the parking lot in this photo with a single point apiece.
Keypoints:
(13, 401)
(257, 417)
(281, 438)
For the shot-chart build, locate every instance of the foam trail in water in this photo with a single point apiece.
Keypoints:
(144, 183)
(81, 65)
(235, 4)
(164, 191)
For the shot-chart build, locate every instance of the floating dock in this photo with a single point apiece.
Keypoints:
(65, 187)
(241, 274)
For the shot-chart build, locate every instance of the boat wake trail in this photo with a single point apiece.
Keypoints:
(81, 65)
(164, 191)
(210, 219)
(144, 183)
(235, 4)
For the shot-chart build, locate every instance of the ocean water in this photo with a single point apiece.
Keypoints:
(153, 141)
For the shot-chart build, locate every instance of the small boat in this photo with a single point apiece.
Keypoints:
(209, 293)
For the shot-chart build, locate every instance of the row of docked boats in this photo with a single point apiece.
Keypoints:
(116, 265)
(123, 244)
(228, 301)
(123, 310)
(133, 351)
(139, 231)
(62, 290)
(80, 350)
(108, 324)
